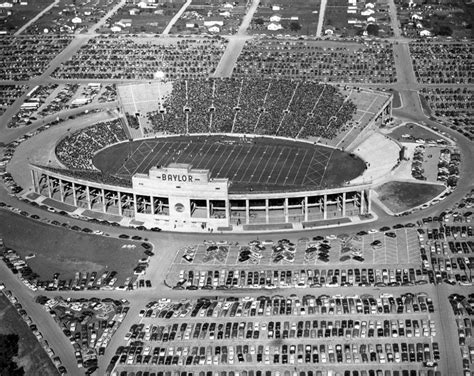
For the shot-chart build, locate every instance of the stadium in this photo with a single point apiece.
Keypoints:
(225, 155)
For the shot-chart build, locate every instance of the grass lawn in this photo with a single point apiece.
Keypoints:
(415, 131)
(63, 251)
(31, 356)
(425, 105)
(397, 102)
(401, 196)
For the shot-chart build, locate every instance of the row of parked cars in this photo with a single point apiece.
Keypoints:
(370, 372)
(289, 278)
(309, 305)
(463, 308)
(283, 330)
(426, 353)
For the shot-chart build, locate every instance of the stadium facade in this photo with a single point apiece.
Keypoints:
(178, 196)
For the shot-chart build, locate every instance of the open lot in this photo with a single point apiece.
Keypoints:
(152, 19)
(415, 131)
(63, 251)
(31, 356)
(401, 196)
(298, 17)
(22, 13)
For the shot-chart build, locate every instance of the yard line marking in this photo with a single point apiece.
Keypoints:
(244, 162)
(274, 149)
(157, 155)
(211, 147)
(190, 151)
(284, 164)
(231, 152)
(232, 170)
(261, 157)
(299, 167)
(276, 163)
(171, 157)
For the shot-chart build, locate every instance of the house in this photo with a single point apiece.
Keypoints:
(213, 22)
(190, 25)
(329, 31)
(369, 5)
(6, 5)
(370, 19)
(294, 18)
(274, 26)
(416, 16)
(353, 21)
(214, 29)
(134, 11)
(276, 8)
(228, 6)
(352, 2)
(4, 13)
(125, 22)
(225, 14)
(367, 12)
(275, 18)
(425, 33)
(76, 20)
(115, 29)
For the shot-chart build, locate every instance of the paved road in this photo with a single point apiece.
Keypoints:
(236, 44)
(36, 18)
(322, 11)
(176, 17)
(394, 19)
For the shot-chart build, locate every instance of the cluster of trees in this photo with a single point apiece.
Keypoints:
(8, 350)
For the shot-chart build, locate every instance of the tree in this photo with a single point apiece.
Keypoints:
(8, 350)
(295, 26)
(373, 29)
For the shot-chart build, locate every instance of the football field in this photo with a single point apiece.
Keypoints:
(252, 164)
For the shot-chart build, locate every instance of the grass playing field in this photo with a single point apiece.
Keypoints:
(257, 164)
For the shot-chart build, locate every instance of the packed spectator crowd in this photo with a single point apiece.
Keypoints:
(338, 62)
(25, 57)
(76, 151)
(113, 57)
(271, 107)
(443, 62)
(454, 105)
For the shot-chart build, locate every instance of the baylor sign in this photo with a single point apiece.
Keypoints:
(177, 178)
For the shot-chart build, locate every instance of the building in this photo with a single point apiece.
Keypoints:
(178, 195)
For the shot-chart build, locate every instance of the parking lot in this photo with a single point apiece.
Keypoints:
(399, 246)
(278, 333)
(305, 263)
